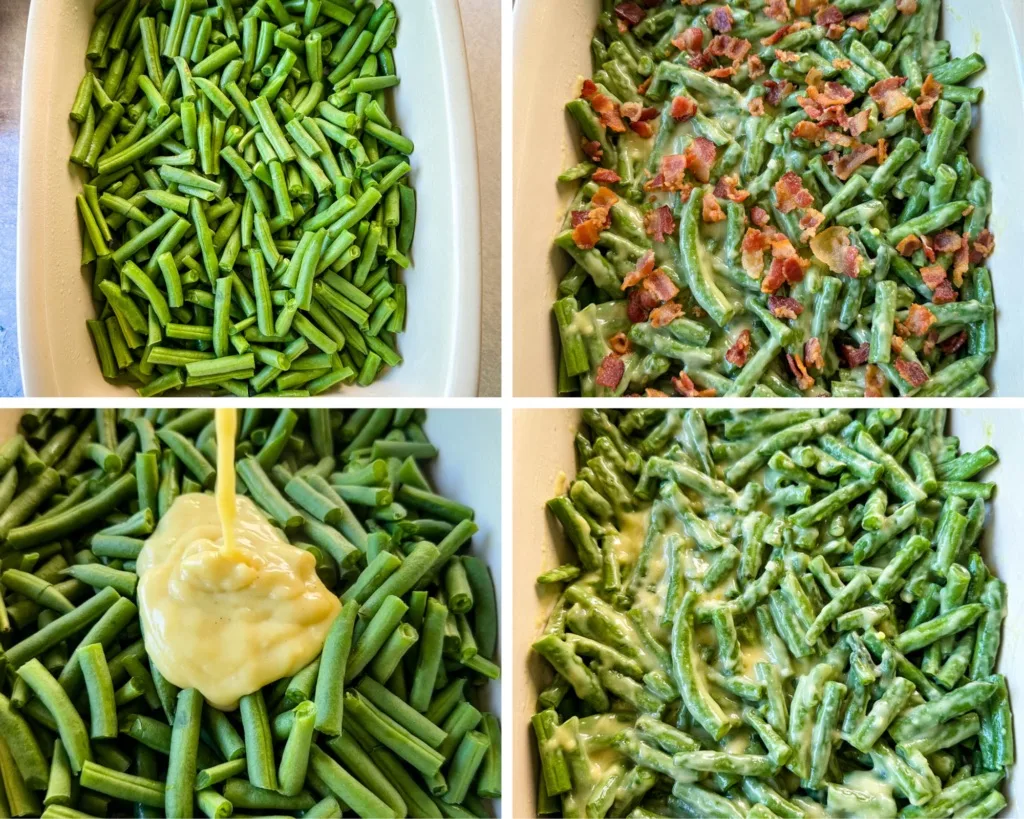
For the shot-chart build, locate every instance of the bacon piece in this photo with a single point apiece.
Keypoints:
(983, 246)
(891, 100)
(734, 48)
(909, 246)
(691, 40)
(604, 198)
(803, 8)
(720, 19)
(592, 148)
(784, 269)
(786, 56)
(944, 293)
(659, 223)
(630, 13)
(753, 247)
(683, 109)
(799, 370)
(756, 107)
(777, 10)
(700, 157)
(919, 320)
(858, 21)
(874, 382)
(686, 388)
(644, 268)
(930, 93)
(671, 174)
(809, 224)
(642, 88)
(586, 233)
(906, 6)
(954, 343)
(588, 90)
(666, 314)
(961, 260)
(721, 73)
(608, 112)
(812, 353)
(933, 276)
(791, 194)
(739, 351)
(711, 211)
(811, 131)
(727, 187)
(929, 249)
(620, 344)
(639, 305)
(610, 372)
(832, 248)
(783, 31)
(650, 392)
(832, 93)
(606, 176)
(755, 67)
(631, 110)
(855, 356)
(776, 92)
(881, 151)
(858, 123)
(759, 216)
(835, 32)
(911, 372)
(947, 241)
(844, 165)
(643, 129)
(661, 286)
(784, 307)
(828, 16)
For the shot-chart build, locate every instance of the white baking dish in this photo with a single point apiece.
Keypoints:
(552, 50)
(442, 338)
(468, 469)
(542, 446)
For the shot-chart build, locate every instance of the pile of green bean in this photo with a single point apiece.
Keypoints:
(836, 335)
(381, 724)
(773, 615)
(247, 211)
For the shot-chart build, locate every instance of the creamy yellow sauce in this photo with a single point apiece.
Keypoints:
(227, 604)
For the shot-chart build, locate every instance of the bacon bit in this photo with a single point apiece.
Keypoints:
(620, 344)
(832, 93)
(929, 250)
(592, 148)
(874, 382)
(835, 32)
(947, 241)
(608, 113)
(811, 131)
(756, 107)
(666, 314)
(777, 10)
(604, 198)
(642, 88)
(721, 73)
(855, 356)
(891, 100)
(786, 56)
(906, 6)
(610, 372)
(828, 16)
(809, 224)
(759, 216)
(661, 286)
(644, 268)
(784, 307)
(882, 151)
(686, 388)
(630, 13)
(843, 166)
(791, 194)
(606, 176)
(909, 246)
(691, 40)
(858, 123)
(784, 269)
(579, 217)
(944, 293)
(776, 92)
(643, 129)
(961, 261)
(858, 21)
(919, 320)
(588, 90)
(755, 67)
(832, 248)
(983, 247)
(639, 305)
(911, 372)
(734, 48)
(671, 175)
(631, 110)
(720, 19)
(930, 92)
(954, 343)
(781, 33)
(812, 353)
(898, 343)
(650, 392)
(740, 349)
(683, 108)
(799, 370)
(727, 187)
(933, 276)
(659, 223)
(711, 211)
(803, 8)
(700, 156)
(587, 232)
(841, 63)
(753, 248)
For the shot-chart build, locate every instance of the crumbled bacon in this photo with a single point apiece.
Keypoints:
(858, 123)
(791, 194)
(776, 92)
(784, 307)
(606, 176)
(753, 247)
(832, 93)
(644, 268)
(983, 246)
(661, 286)
(720, 19)
(919, 320)
(620, 344)
(961, 260)
(855, 356)
(890, 99)
(604, 198)
(812, 353)
(639, 305)
(911, 372)
(881, 151)
(666, 314)
(954, 343)
(650, 392)
(832, 248)
(835, 32)
(929, 249)
(844, 165)
(711, 211)
(588, 231)
(906, 6)
(691, 40)
(828, 16)
(947, 241)
(909, 246)
(686, 388)
(727, 187)
(944, 293)
(630, 13)
(811, 131)
(671, 174)
(700, 157)
(809, 224)
(799, 370)
(588, 90)
(608, 112)
(858, 21)
(740, 349)
(610, 372)
(734, 48)
(783, 31)
(930, 93)
(784, 269)
(721, 73)
(659, 223)
(755, 67)
(874, 382)
(683, 108)
(756, 107)
(759, 216)
(592, 148)
(803, 8)
(777, 10)
(933, 276)
(642, 129)
(786, 56)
